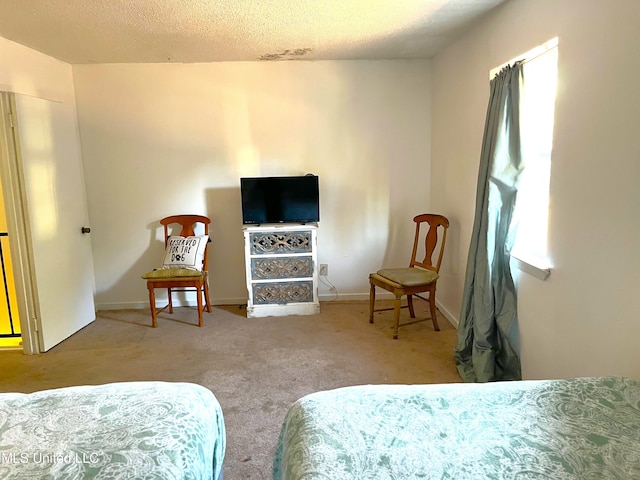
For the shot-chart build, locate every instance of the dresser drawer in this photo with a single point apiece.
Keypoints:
(281, 293)
(284, 267)
(271, 243)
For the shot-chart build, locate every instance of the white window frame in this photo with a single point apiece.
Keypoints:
(537, 264)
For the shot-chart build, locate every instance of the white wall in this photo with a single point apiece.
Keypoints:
(164, 139)
(584, 319)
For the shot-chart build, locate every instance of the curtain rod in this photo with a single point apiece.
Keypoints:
(528, 56)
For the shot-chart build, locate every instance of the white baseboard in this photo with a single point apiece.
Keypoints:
(162, 302)
(328, 298)
(350, 297)
(447, 314)
(122, 306)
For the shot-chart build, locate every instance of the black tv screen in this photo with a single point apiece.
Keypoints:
(280, 199)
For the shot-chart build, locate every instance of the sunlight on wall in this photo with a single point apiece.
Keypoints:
(43, 178)
(37, 144)
(248, 161)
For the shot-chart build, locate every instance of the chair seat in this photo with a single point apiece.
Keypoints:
(409, 276)
(166, 273)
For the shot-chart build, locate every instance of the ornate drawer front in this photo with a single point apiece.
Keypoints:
(282, 292)
(268, 243)
(274, 268)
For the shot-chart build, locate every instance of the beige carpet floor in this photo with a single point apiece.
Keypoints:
(255, 367)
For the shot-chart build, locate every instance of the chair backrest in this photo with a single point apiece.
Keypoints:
(188, 223)
(435, 223)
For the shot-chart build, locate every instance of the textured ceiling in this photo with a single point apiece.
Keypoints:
(191, 31)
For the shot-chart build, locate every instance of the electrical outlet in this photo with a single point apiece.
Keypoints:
(324, 269)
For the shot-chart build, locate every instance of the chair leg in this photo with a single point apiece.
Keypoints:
(396, 316)
(170, 300)
(372, 301)
(432, 306)
(206, 295)
(199, 295)
(152, 304)
(412, 313)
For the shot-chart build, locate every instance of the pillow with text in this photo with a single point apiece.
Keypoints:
(185, 252)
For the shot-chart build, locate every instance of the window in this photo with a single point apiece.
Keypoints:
(538, 95)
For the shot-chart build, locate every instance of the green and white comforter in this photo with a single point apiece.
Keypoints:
(585, 428)
(142, 430)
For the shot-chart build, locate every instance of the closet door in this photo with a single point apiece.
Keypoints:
(54, 214)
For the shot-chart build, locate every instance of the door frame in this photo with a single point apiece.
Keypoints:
(12, 178)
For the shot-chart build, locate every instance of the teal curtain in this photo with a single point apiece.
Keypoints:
(483, 351)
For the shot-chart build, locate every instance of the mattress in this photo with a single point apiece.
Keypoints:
(584, 428)
(150, 430)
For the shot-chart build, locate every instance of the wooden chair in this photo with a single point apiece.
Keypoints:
(181, 279)
(420, 277)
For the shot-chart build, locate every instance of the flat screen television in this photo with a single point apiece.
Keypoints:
(280, 199)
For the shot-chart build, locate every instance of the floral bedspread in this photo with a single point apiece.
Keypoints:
(583, 428)
(145, 430)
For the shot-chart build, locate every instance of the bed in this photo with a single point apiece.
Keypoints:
(151, 430)
(583, 428)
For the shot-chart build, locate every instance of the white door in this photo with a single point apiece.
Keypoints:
(54, 206)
